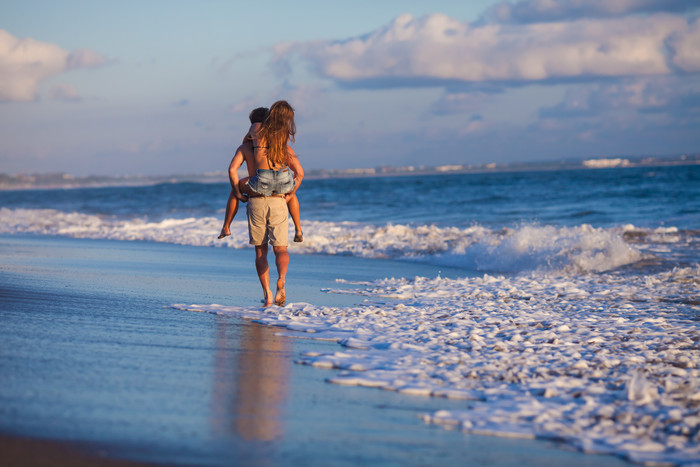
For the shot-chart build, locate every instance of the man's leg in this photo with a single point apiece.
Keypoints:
(263, 270)
(282, 263)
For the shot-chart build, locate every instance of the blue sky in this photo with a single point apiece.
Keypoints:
(165, 87)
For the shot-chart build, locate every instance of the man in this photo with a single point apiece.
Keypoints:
(257, 117)
(268, 221)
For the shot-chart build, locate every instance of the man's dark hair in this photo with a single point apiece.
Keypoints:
(258, 115)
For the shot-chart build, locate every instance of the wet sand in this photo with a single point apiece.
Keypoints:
(20, 452)
(97, 368)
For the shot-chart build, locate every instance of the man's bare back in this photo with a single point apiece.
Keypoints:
(248, 153)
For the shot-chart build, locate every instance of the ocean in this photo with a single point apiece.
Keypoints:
(582, 220)
(565, 304)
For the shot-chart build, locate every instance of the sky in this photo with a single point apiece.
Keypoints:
(158, 87)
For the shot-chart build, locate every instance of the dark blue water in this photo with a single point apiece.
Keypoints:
(646, 197)
(641, 196)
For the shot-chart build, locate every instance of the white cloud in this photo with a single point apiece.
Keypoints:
(535, 11)
(687, 48)
(84, 58)
(474, 125)
(244, 106)
(676, 96)
(25, 63)
(306, 99)
(64, 92)
(439, 50)
(460, 102)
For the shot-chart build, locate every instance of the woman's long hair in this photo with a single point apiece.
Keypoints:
(276, 131)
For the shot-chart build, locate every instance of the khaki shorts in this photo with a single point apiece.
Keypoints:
(268, 221)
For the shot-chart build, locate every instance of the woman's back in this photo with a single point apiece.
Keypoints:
(274, 135)
(261, 151)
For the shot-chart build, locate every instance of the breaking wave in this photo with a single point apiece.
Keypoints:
(524, 248)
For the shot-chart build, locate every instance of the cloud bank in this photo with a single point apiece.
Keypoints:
(582, 76)
(25, 63)
(439, 50)
(537, 11)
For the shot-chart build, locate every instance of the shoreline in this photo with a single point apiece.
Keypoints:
(166, 386)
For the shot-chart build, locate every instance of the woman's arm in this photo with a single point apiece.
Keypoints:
(252, 134)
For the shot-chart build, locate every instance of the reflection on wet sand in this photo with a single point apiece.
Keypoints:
(250, 382)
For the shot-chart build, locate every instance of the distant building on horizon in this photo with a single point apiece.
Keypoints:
(605, 163)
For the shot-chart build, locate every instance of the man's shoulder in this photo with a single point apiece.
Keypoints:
(246, 148)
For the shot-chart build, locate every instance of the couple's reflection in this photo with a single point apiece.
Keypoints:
(252, 371)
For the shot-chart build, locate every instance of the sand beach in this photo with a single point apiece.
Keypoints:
(97, 367)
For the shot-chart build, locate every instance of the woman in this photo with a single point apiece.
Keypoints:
(277, 169)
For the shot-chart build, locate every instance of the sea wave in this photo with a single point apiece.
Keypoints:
(524, 248)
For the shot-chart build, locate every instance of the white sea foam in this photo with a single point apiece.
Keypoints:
(526, 248)
(604, 362)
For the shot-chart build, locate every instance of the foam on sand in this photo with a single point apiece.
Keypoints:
(604, 362)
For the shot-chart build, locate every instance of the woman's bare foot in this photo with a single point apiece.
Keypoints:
(298, 236)
(280, 296)
(224, 233)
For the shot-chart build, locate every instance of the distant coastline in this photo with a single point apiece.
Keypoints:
(66, 181)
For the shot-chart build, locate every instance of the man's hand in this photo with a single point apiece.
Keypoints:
(242, 197)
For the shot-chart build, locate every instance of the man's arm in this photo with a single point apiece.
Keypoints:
(233, 167)
(295, 165)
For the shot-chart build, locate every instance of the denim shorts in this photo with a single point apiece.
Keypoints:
(272, 182)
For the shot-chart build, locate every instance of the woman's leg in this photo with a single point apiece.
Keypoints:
(232, 207)
(244, 187)
(231, 210)
(293, 206)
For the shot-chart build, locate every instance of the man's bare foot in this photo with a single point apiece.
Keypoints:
(280, 296)
(224, 233)
(267, 301)
(298, 236)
